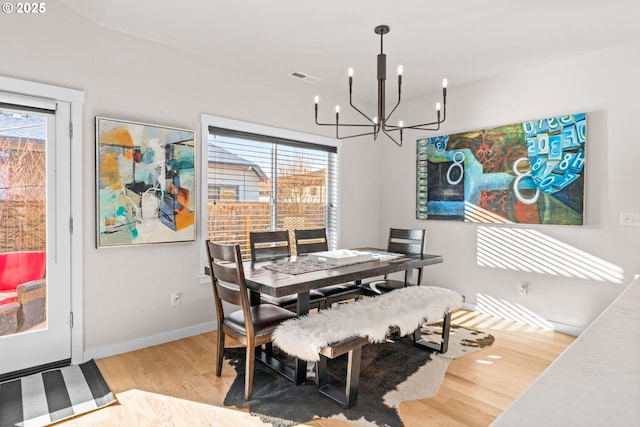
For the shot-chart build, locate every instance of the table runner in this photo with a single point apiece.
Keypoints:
(298, 266)
(306, 265)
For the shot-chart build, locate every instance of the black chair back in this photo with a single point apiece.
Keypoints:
(407, 241)
(225, 264)
(404, 241)
(308, 241)
(269, 245)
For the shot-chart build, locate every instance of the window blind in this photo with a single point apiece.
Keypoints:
(264, 183)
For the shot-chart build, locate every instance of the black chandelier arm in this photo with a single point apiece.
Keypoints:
(394, 109)
(340, 124)
(424, 126)
(444, 105)
(374, 133)
(399, 98)
(399, 144)
(438, 121)
(421, 127)
(353, 106)
(358, 110)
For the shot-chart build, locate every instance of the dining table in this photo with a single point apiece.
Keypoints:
(298, 275)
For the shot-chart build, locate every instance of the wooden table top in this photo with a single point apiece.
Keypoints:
(277, 284)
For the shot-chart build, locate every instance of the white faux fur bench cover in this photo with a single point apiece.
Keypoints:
(404, 308)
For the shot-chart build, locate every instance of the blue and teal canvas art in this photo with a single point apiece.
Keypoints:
(530, 172)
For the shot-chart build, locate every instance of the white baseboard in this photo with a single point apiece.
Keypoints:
(556, 326)
(567, 329)
(137, 344)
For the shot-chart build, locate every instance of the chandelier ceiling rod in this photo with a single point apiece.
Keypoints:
(380, 122)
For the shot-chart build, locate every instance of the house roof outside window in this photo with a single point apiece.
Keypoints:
(17, 126)
(220, 156)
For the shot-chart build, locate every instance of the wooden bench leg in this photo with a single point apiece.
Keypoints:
(444, 340)
(348, 397)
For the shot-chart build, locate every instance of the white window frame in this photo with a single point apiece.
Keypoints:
(242, 126)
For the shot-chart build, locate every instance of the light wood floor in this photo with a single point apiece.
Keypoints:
(174, 384)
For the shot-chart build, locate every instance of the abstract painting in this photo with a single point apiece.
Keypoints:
(531, 173)
(145, 183)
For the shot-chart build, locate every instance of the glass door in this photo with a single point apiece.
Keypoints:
(35, 292)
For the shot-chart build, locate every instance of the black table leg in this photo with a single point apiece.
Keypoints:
(254, 298)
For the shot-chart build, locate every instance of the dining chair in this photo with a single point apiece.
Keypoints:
(272, 245)
(402, 241)
(251, 326)
(315, 240)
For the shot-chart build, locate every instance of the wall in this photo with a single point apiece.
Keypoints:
(127, 290)
(602, 84)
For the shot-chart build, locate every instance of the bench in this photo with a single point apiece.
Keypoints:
(330, 333)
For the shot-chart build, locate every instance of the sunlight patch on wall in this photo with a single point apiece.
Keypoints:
(532, 251)
(508, 310)
(474, 213)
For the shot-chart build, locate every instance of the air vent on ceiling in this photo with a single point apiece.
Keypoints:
(307, 78)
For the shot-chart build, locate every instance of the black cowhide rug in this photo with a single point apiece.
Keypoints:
(391, 373)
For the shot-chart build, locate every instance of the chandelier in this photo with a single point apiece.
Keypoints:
(381, 121)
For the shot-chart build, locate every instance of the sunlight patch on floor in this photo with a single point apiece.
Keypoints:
(501, 320)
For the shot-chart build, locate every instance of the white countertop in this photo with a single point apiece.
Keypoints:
(595, 381)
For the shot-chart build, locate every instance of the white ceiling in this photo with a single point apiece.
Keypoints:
(463, 40)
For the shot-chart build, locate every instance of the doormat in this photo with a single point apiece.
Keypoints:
(51, 396)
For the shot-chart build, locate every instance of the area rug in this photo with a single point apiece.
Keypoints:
(391, 373)
(51, 396)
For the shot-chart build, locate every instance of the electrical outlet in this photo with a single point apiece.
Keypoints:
(176, 299)
(630, 219)
(523, 288)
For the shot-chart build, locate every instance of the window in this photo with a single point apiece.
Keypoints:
(227, 194)
(23, 137)
(264, 183)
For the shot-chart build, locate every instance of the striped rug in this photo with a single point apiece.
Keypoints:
(48, 397)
